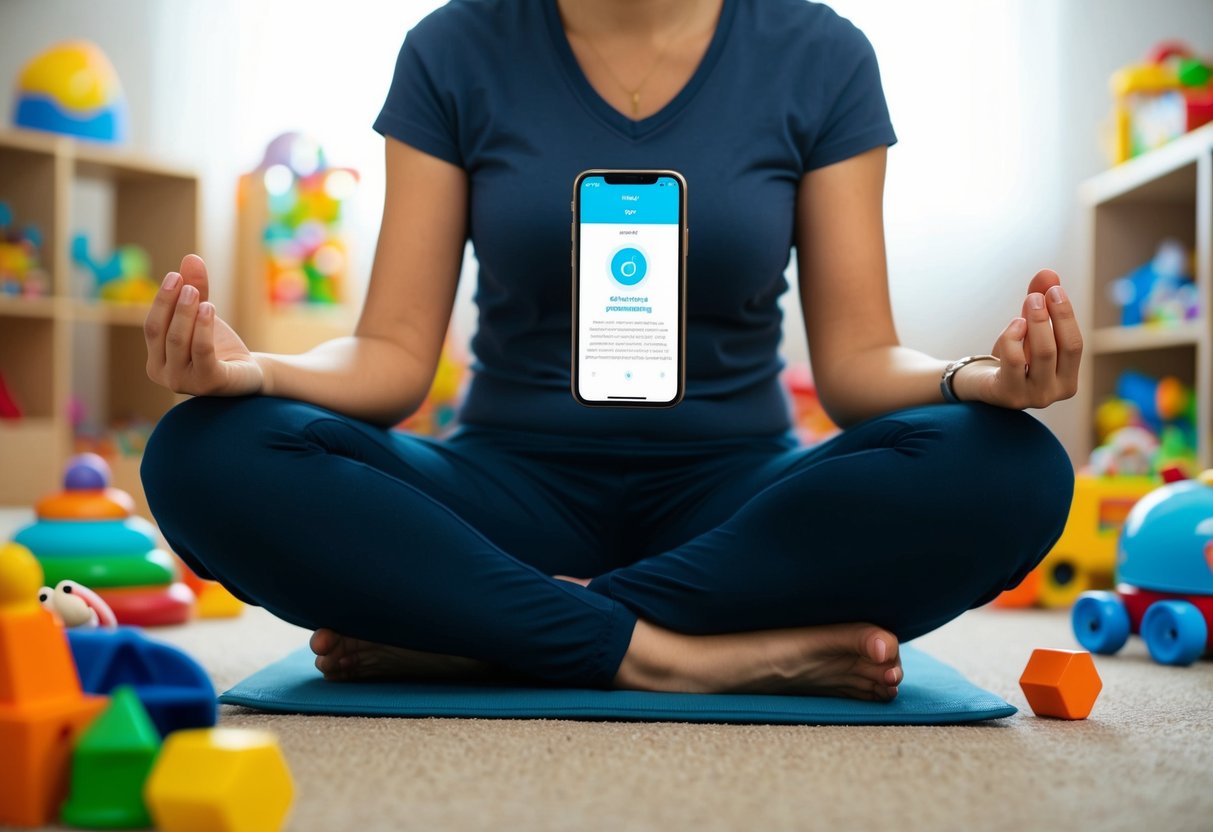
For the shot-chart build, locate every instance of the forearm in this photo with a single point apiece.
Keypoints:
(887, 378)
(364, 377)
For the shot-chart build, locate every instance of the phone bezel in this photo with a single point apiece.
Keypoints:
(683, 241)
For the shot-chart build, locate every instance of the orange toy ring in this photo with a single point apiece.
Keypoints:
(98, 504)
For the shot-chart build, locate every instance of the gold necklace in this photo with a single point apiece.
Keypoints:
(634, 94)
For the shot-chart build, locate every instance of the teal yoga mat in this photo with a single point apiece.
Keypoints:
(931, 694)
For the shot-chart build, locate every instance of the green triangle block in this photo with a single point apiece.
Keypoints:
(110, 763)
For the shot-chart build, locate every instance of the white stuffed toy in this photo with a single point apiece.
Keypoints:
(77, 606)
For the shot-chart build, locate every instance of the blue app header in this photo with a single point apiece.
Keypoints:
(643, 204)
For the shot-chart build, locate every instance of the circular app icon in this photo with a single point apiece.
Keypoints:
(628, 266)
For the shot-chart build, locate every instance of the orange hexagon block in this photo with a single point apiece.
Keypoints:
(1061, 683)
(219, 780)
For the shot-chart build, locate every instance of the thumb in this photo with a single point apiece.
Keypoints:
(193, 272)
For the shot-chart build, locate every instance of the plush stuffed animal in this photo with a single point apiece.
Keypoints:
(77, 606)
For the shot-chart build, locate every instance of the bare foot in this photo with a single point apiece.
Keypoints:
(344, 659)
(582, 581)
(858, 661)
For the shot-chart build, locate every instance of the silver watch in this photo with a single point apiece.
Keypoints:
(945, 381)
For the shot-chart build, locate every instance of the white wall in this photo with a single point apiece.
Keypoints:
(997, 105)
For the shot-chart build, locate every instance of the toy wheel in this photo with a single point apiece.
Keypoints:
(1063, 581)
(1100, 622)
(1175, 632)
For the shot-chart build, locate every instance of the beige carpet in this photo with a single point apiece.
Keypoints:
(1142, 761)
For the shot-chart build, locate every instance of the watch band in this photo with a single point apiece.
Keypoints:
(945, 381)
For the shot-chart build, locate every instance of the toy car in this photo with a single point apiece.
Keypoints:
(1084, 557)
(1164, 574)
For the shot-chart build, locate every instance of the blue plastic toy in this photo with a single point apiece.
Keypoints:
(1161, 291)
(1164, 574)
(174, 689)
(123, 277)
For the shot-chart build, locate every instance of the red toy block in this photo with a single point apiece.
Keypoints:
(1061, 683)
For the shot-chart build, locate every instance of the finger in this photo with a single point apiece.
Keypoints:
(1068, 338)
(1043, 281)
(202, 345)
(181, 333)
(1042, 347)
(1024, 312)
(1013, 363)
(193, 270)
(155, 326)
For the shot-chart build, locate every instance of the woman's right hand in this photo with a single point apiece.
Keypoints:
(190, 349)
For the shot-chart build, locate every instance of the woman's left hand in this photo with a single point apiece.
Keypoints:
(1038, 353)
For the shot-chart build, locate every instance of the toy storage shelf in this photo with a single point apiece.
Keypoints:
(1132, 207)
(263, 326)
(149, 204)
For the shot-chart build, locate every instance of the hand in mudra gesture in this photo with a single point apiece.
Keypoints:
(1038, 353)
(190, 349)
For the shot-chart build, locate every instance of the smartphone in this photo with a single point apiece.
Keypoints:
(630, 239)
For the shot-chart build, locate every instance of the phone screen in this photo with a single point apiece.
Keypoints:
(629, 287)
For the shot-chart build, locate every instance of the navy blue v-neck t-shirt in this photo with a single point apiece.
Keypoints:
(492, 86)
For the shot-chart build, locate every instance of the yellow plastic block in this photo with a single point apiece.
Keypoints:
(219, 780)
(1061, 683)
(214, 601)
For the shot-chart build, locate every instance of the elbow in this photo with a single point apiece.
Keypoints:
(845, 407)
(393, 413)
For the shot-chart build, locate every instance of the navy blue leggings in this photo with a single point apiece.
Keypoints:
(905, 520)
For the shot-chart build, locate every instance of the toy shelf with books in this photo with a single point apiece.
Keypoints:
(72, 355)
(1151, 271)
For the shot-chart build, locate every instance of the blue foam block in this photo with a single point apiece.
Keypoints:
(174, 689)
(932, 693)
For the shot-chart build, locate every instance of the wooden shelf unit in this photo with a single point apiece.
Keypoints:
(263, 326)
(1131, 208)
(152, 205)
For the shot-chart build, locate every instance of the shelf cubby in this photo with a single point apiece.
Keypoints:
(1132, 208)
(52, 348)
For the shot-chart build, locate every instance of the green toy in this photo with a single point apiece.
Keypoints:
(110, 764)
(154, 568)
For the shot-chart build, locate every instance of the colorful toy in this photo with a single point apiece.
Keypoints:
(124, 278)
(1161, 291)
(121, 437)
(174, 688)
(75, 605)
(88, 533)
(220, 780)
(21, 272)
(1129, 452)
(1084, 557)
(1061, 683)
(1165, 578)
(42, 708)
(306, 258)
(809, 418)
(213, 599)
(72, 88)
(1165, 407)
(1160, 100)
(110, 765)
